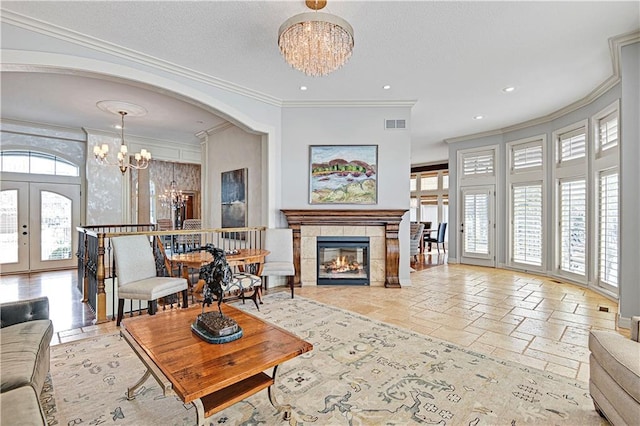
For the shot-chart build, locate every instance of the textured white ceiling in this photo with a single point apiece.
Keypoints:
(453, 58)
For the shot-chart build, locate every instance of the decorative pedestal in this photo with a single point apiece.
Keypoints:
(214, 328)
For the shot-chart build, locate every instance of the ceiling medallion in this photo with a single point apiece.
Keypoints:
(316, 43)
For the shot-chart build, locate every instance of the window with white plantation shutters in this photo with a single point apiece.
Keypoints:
(608, 228)
(527, 223)
(478, 163)
(608, 132)
(476, 223)
(526, 156)
(573, 237)
(572, 145)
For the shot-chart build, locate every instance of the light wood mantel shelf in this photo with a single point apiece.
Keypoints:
(390, 219)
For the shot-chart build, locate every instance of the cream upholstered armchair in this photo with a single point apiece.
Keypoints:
(614, 379)
(136, 273)
(279, 262)
(415, 239)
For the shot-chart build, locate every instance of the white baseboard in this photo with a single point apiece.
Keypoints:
(624, 322)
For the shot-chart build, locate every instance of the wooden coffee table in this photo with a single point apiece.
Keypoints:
(211, 376)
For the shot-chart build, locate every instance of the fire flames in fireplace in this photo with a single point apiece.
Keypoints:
(342, 264)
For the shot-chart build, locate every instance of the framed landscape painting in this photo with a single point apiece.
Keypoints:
(343, 174)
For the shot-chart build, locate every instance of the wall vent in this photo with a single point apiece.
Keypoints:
(395, 124)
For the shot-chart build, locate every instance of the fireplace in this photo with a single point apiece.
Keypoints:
(381, 226)
(343, 260)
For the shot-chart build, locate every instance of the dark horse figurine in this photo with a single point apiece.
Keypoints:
(216, 276)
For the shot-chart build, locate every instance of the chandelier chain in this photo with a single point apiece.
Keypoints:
(142, 158)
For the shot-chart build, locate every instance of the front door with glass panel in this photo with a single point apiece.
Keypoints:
(38, 226)
(477, 226)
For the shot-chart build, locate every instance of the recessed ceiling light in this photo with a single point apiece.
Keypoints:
(303, 88)
(386, 87)
(117, 126)
(509, 89)
(478, 117)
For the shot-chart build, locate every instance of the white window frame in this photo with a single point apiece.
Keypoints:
(563, 171)
(579, 127)
(512, 147)
(477, 178)
(470, 183)
(598, 252)
(526, 176)
(53, 159)
(583, 278)
(603, 162)
(614, 151)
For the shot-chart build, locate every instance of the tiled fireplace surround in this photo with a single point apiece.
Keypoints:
(381, 226)
(308, 252)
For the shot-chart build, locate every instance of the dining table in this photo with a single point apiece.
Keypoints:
(236, 258)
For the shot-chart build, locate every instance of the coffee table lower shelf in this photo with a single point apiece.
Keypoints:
(228, 396)
(263, 348)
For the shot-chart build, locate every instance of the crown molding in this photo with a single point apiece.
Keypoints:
(215, 129)
(42, 130)
(615, 47)
(50, 30)
(140, 140)
(350, 104)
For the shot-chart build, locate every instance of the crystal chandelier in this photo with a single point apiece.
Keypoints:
(102, 152)
(173, 197)
(316, 43)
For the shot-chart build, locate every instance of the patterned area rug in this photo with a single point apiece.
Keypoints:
(361, 372)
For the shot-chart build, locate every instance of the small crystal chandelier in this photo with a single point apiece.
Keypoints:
(102, 152)
(316, 43)
(173, 197)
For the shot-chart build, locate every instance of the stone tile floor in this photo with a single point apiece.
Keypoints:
(524, 318)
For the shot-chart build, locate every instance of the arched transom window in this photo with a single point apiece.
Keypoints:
(33, 162)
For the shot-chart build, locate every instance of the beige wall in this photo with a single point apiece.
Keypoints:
(187, 177)
(230, 149)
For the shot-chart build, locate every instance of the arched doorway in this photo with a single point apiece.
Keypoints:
(252, 114)
(40, 208)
